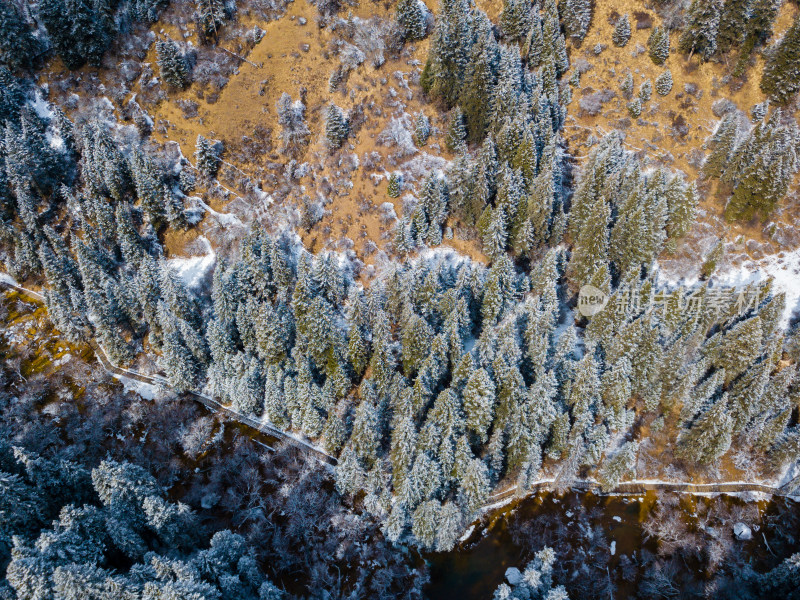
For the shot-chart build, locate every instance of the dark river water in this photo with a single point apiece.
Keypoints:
(593, 534)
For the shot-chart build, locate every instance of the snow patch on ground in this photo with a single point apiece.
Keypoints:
(783, 268)
(192, 270)
(41, 106)
(466, 535)
(222, 218)
(6, 278)
(63, 360)
(418, 168)
(146, 390)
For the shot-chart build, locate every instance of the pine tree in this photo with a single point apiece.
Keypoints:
(710, 436)
(449, 527)
(178, 363)
(479, 399)
(210, 16)
(635, 107)
(622, 32)
(721, 145)
(12, 96)
(664, 83)
(474, 485)
(207, 157)
(515, 20)
(422, 130)
(479, 80)
(412, 16)
(626, 87)
(453, 37)
(681, 205)
(456, 132)
(658, 45)
(732, 30)
(395, 185)
(781, 76)
(700, 34)
(174, 69)
(533, 46)
(618, 466)
(645, 91)
(494, 234)
(590, 249)
(291, 118)
(337, 127)
(782, 581)
(760, 20)
(577, 15)
(79, 31)
(761, 170)
(17, 45)
(425, 521)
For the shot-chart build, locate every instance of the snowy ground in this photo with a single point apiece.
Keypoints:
(193, 270)
(146, 390)
(783, 268)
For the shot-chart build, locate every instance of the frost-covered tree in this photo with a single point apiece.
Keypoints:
(337, 127)
(535, 582)
(700, 34)
(456, 131)
(422, 130)
(174, 69)
(210, 16)
(618, 465)
(622, 31)
(664, 83)
(781, 76)
(207, 156)
(576, 16)
(479, 399)
(658, 45)
(515, 20)
(291, 118)
(395, 185)
(709, 437)
(721, 145)
(17, 44)
(79, 31)
(645, 91)
(412, 16)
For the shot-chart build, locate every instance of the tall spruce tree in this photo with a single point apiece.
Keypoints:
(576, 17)
(17, 44)
(658, 45)
(781, 76)
(622, 32)
(515, 20)
(412, 16)
(80, 31)
(210, 16)
(336, 127)
(207, 157)
(174, 69)
(700, 34)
